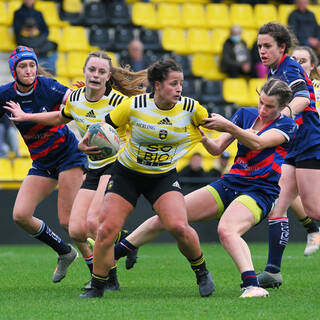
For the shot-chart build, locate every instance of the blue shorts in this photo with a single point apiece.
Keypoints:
(227, 195)
(72, 158)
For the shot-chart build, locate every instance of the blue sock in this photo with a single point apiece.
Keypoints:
(46, 235)
(249, 278)
(122, 248)
(278, 239)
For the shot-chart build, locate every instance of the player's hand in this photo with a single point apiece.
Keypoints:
(83, 146)
(79, 84)
(204, 138)
(17, 114)
(216, 122)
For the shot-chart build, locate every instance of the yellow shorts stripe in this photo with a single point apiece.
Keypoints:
(252, 205)
(216, 196)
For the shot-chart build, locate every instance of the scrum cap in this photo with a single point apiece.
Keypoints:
(19, 54)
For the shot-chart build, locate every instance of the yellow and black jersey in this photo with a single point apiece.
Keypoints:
(316, 88)
(158, 138)
(86, 113)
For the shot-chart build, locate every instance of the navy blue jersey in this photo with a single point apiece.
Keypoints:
(259, 169)
(308, 134)
(46, 144)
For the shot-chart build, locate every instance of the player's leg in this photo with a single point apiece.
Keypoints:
(114, 211)
(308, 181)
(279, 228)
(313, 233)
(187, 238)
(93, 223)
(240, 216)
(69, 181)
(27, 200)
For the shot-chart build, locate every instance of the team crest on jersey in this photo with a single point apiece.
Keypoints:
(163, 134)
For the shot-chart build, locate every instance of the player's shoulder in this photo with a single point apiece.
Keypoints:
(76, 95)
(50, 84)
(6, 89)
(115, 97)
(188, 104)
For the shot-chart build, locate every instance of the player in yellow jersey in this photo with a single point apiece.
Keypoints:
(88, 105)
(309, 62)
(163, 127)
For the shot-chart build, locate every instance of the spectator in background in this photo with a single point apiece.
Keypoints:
(235, 59)
(134, 57)
(259, 70)
(304, 25)
(8, 138)
(221, 165)
(194, 168)
(31, 30)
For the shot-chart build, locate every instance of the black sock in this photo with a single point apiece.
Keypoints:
(46, 235)
(309, 225)
(122, 248)
(89, 262)
(98, 282)
(199, 264)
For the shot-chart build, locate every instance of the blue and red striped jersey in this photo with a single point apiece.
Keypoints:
(308, 135)
(259, 169)
(45, 143)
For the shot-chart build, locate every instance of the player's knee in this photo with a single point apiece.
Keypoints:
(178, 229)
(20, 218)
(155, 223)
(224, 233)
(107, 233)
(92, 224)
(78, 233)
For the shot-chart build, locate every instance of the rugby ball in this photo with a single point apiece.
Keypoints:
(106, 138)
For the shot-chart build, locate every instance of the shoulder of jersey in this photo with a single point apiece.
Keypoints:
(115, 98)
(140, 101)
(75, 95)
(188, 103)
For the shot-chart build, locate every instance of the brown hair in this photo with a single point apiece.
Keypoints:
(122, 79)
(315, 73)
(280, 89)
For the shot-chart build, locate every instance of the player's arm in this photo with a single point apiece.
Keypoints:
(51, 118)
(120, 115)
(216, 146)
(301, 98)
(268, 139)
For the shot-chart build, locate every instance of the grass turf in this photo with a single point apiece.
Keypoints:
(161, 286)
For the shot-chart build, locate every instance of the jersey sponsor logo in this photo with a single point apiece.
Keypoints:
(163, 134)
(165, 121)
(91, 114)
(145, 126)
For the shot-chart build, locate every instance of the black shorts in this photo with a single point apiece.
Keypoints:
(130, 184)
(93, 177)
(304, 164)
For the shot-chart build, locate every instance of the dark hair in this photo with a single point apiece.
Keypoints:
(159, 70)
(279, 32)
(279, 88)
(314, 74)
(122, 79)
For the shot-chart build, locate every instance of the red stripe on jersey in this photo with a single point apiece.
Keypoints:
(299, 121)
(45, 152)
(280, 150)
(47, 136)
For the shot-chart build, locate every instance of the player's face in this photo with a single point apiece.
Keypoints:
(97, 73)
(268, 107)
(26, 71)
(303, 57)
(270, 53)
(169, 91)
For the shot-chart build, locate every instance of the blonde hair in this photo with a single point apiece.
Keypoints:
(123, 80)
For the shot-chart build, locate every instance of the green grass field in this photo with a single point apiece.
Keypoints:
(161, 286)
